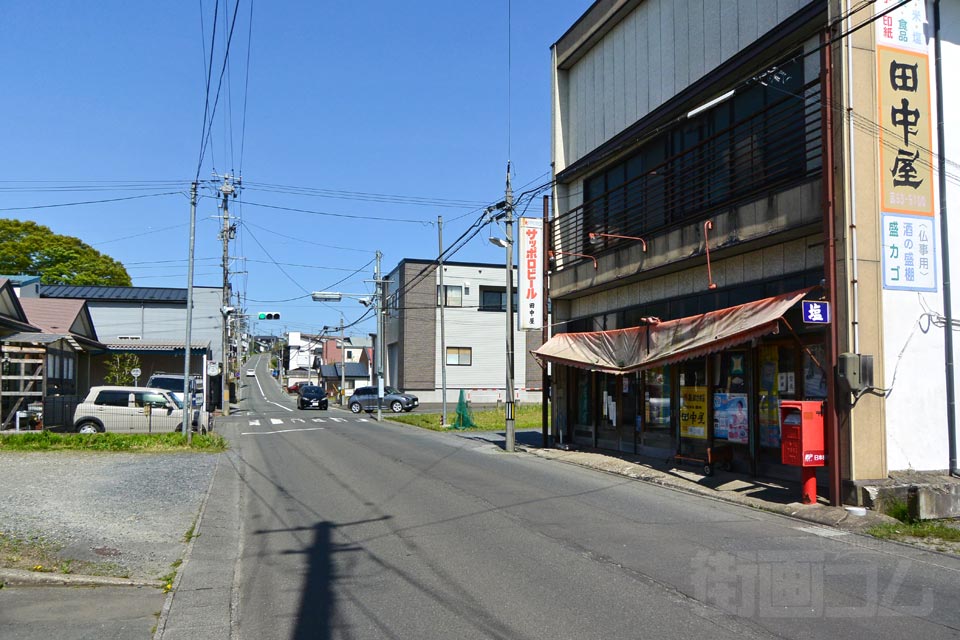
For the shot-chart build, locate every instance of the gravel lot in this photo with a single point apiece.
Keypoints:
(128, 509)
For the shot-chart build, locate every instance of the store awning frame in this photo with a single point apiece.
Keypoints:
(622, 351)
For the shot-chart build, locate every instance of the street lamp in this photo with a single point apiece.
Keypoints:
(374, 302)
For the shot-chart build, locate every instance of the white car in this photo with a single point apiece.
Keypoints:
(251, 373)
(131, 410)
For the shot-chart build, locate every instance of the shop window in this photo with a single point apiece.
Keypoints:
(814, 376)
(657, 427)
(584, 400)
(731, 404)
(608, 414)
(693, 407)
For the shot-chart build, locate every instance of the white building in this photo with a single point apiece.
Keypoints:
(474, 333)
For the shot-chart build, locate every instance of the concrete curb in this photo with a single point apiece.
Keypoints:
(23, 578)
(827, 516)
(168, 601)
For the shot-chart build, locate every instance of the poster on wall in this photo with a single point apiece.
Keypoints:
(772, 382)
(730, 417)
(693, 412)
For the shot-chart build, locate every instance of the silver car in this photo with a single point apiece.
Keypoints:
(365, 399)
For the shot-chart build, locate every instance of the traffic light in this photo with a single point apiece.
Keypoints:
(269, 315)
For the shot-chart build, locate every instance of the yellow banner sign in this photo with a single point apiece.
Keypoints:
(906, 162)
(693, 412)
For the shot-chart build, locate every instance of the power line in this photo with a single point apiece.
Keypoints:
(338, 215)
(208, 123)
(305, 240)
(361, 195)
(209, 70)
(86, 202)
(246, 86)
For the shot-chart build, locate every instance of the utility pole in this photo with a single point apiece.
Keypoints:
(227, 233)
(508, 224)
(343, 361)
(380, 326)
(188, 351)
(443, 337)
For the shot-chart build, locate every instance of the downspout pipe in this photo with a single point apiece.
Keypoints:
(831, 422)
(945, 251)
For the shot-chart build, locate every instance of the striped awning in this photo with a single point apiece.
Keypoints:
(620, 351)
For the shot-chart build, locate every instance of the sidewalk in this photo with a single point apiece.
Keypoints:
(774, 496)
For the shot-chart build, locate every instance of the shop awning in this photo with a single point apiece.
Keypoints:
(626, 350)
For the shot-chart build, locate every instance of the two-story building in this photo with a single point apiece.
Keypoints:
(724, 162)
(474, 333)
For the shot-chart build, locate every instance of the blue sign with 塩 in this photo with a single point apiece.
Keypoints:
(816, 312)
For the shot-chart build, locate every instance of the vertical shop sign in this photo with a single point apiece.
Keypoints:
(530, 274)
(908, 253)
(693, 412)
(906, 159)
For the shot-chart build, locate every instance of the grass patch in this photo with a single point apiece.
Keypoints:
(129, 442)
(898, 509)
(37, 554)
(527, 416)
(925, 529)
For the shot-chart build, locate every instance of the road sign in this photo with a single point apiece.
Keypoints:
(135, 372)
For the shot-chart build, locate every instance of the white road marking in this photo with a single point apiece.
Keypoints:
(300, 420)
(264, 396)
(254, 423)
(823, 532)
(323, 420)
(270, 433)
(276, 421)
(339, 419)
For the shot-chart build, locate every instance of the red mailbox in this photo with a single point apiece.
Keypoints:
(802, 441)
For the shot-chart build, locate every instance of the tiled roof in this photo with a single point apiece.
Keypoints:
(38, 338)
(132, 294)
(352, 370)
(52, 316)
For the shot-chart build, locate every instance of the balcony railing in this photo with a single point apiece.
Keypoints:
(763, 154)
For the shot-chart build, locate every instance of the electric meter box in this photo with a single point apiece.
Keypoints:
(801, 433)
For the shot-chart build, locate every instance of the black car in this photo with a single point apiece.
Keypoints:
(309, 396)
(365, 399)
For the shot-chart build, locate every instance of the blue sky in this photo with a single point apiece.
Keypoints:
(345, 103)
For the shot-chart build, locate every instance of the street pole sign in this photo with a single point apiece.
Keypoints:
(530, 274)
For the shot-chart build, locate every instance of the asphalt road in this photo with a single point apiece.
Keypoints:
(349, 528)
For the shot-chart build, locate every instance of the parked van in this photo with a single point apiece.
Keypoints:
(132, 410)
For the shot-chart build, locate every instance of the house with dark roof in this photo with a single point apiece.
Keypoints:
(49, 348)
(350, 374)
(151, 322)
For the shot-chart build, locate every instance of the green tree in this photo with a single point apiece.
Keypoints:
(119, 366)
(33, 249)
